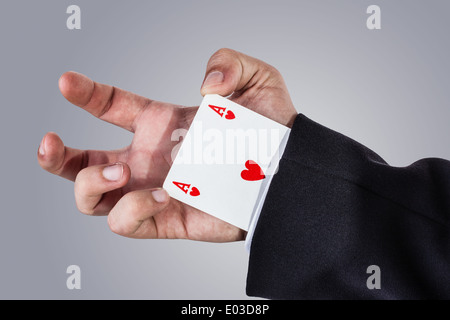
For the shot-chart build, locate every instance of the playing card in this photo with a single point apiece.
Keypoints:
(225, 160)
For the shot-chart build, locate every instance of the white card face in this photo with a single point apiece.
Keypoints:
(226, 160)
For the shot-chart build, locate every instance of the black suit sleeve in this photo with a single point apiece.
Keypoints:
(335, 208)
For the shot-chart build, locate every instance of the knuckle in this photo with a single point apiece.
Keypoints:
(82, 189)
(81, 181)
(129, 210)
(271, 77)
(131, 203)
(272, 72)
(84, 209)
(114, 226)
(224, 52)
(221, 55)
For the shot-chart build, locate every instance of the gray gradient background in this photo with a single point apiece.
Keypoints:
(388, 89)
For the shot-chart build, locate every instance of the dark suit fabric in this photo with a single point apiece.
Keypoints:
(335, 208)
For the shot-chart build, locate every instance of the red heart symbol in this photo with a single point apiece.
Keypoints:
(253, 172)
(194, 192)
(230, 115)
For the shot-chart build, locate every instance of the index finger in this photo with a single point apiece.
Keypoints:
(105, 102)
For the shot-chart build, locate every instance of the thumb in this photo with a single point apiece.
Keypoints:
(229, 71)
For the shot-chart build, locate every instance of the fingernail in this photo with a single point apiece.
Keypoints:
(160, 195)
(114, 172)
(214, 78)
(42, 147)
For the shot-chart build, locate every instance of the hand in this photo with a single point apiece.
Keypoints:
(125, 184)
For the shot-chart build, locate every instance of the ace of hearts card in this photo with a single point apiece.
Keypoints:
(226, 160)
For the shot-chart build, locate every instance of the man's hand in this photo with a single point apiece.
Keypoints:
(126, 184)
